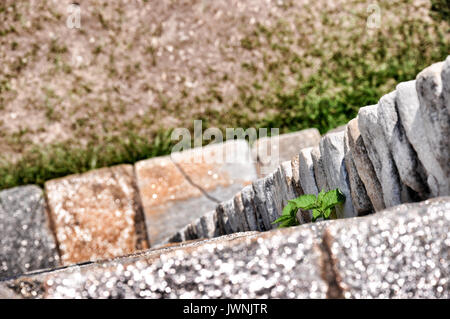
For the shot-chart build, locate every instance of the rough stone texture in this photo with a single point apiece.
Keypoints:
(410, 170)
(274, 197)
(402, 252)
(445, 76)
(261, 204)
(279, 264)
(244, 200)
(435, 114)
(319, 171)
(306, 171)
(408, 107)
(231, 221)
(380, 155)
(364, 166)
(361, 202)
(332, 150)
(178, 189)
(296, 174)
(210, 224)
(97, 215)
(26, 240)
(270, 152)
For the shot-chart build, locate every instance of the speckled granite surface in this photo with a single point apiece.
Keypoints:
(398, 253)
(26, 241)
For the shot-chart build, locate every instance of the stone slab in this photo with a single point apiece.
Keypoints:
(332, 150)
(436, 118)
(380, 156)
(231, 267)
(410, 169)
(270, 152)
(178, 189)
(26, 240)
(97, 214)
(402, 252)
(319, 170)
(408, 108)
(306, 171)
(361, 202)
(364, 166)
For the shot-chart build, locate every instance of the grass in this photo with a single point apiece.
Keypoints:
(341, 69)
(58, 160)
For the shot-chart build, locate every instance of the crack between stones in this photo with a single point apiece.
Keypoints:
(329, 272)
(190, 181)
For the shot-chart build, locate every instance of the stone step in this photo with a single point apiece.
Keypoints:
(381, 159)
(26, 239)
(401, 252)
(270, 152)
(177, 189)
(370, 160)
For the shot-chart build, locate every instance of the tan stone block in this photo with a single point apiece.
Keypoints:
(178, 189)
(270, 152)
(97, 214)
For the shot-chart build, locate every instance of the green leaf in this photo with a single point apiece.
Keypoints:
(332, 198)
(327, 213)
(290, 209)
(282, 218)
(316, 213)
(307, 201)
(320, 197)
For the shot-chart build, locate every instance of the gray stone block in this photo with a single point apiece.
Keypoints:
(306, 172)
(408, 108)
(402, 252)
(332, 150)
(436, 118)
(270, 152)
(26, 240)
(410, 169)
(364, 166)
(361, 202)
(380, 155)
(319, 171)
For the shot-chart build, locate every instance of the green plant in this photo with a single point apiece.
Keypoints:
(322, 206)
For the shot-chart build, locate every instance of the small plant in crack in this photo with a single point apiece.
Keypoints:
(323, 206)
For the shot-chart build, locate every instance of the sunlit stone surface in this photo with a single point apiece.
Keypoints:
(178, 189)
(401, 252)
(270, 152)
(97, 214)
(26, 241)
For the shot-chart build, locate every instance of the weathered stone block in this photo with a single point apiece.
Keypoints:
(364, 166)
(436, 118)
(306, 171)
(270, 152)
(261, 203)
(26, 240)
(319, 170)
(332, 150)
(97, 215)
(410, 170)
(361, 201)
(402, 252)
(178, 189)
(225, 267)
(408, 108)
(380, 156)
